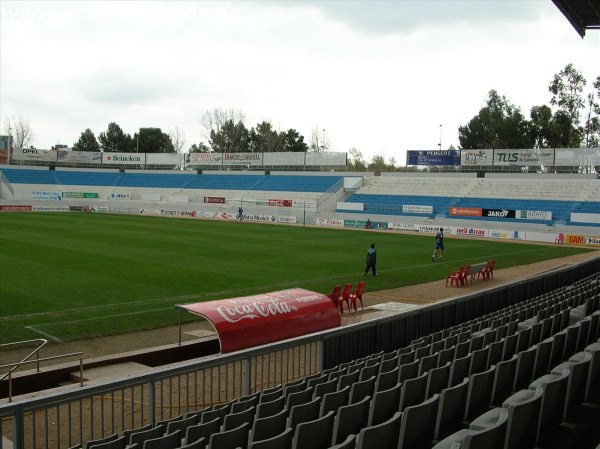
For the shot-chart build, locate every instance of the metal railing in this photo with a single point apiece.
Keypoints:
(40, 344)
(14, 366)
(65, 416)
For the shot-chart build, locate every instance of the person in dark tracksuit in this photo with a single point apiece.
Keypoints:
(371, 260)
(439, 244)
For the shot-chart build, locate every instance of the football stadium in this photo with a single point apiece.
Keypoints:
(281, 300)
(269, 336)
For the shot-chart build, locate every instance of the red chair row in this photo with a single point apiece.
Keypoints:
(348, 296)
(487, 272)
(458, 278)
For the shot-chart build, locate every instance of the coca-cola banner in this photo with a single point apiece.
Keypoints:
(256, 320)
(280, 203)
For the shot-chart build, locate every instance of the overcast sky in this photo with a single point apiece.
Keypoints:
(381, 76)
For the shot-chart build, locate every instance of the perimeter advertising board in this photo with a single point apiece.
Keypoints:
(524, 157)
(465, 211)
(33, 154)
(279, 203)
(330, 222)
(193, 159)
(79, 157)
(498, 213)
(447, 157)
(242, 159)
(416, 209)
(585, 240)
(174, 159)
(123, 158)
(534, 215)
(474, 158)
(53, 196)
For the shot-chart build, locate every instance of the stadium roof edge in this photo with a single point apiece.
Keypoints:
(582, 14)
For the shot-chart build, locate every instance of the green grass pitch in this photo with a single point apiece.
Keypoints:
(76, 275)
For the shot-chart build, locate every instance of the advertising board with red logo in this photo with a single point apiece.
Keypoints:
(465, 211)
(14, 208)
(577, 239)
(214, 199)
(280, 203)
(256, 320)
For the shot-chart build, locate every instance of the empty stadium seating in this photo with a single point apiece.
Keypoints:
(500, 384)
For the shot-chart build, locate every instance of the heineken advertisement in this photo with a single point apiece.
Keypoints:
(80, 195)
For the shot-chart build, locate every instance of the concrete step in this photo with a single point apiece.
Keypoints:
(109, 371)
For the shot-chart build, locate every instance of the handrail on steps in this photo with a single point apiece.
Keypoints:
(41, 342)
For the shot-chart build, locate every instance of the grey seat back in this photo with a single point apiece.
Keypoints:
(350, 419)
(304, 412)
(384, 404)
(203, 430)
(281, 441)
(451, 408)
(418, 423)
(316, 434)
(333, 401)
(169, 440)
(384, 435)
(230, 439)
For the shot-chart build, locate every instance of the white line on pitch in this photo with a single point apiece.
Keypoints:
(45, 334)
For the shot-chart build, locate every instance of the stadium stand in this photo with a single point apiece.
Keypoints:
(386, 195)
(184, 180)
(427, 382)
(429, 409)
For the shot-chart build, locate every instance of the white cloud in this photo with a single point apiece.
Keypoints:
(379, 76)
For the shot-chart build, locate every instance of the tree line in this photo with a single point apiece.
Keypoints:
(225, 130)
(573, 123)
(570, 120)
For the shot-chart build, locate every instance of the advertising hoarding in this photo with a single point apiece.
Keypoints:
(444, 157)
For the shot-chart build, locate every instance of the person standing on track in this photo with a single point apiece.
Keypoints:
(439, 245)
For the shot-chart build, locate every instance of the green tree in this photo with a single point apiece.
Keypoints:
(540, 125)
(153, 140)
(567, 89)
(230, 138)
(293, 141)
(225, 130)
(592, 117)
(357, 161)
(377, 163)
(87, 142)
(114, 140)
(499, 124)
(200, 148)
(264, 139)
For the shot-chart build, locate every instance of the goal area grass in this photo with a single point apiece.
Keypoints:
(70, 276)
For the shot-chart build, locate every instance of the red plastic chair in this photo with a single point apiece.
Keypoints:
(487, 272)
(344, 297)
(459, 278)
(335, 294)
(357, 295)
